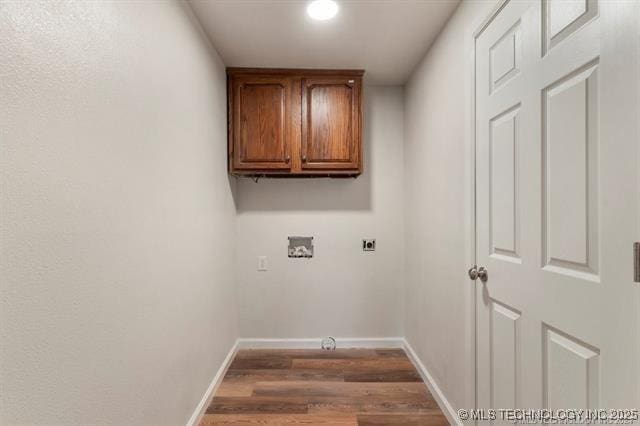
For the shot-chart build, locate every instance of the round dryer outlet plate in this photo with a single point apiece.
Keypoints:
(328, 344)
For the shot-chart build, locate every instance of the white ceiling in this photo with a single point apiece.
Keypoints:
(387, 38)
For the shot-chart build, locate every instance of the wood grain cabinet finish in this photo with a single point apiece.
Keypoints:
(330, 123)
(261, 123)
(287, 122)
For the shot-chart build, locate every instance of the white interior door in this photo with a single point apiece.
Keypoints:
(557, 172)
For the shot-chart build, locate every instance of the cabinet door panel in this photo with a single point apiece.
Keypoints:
(261, 123)
(331, 123)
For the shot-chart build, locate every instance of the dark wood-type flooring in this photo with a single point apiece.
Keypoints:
(308, 386)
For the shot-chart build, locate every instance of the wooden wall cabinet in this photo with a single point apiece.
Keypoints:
(288, 122)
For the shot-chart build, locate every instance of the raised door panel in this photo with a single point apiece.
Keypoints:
(503, 189)
(571, 371)
(504, 336)
(261, 123)
(562, 18)
(331, 123)
(570, 179)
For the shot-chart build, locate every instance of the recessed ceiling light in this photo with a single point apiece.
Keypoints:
(322, 10)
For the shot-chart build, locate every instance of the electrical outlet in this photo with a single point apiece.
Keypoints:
(262, 263)
(369, 245)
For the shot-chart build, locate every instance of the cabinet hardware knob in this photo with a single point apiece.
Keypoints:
(287, 159)
(304, 158)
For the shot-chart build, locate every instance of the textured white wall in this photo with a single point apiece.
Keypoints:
(436, 203)
(342, 291)
(117, 218)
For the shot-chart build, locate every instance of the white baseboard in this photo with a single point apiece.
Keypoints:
(314, 343)
(211, 390)
(440, 398)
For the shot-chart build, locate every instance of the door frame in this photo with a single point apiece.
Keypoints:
(637, 135)
(493, 9)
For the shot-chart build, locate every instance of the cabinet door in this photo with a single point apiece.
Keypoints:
(261, 127)
(331, 123)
